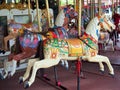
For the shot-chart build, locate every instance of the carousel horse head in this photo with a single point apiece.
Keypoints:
(99, 23)
(108, 23)
(65, 15)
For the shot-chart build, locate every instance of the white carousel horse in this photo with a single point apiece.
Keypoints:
(84, 47)
(57, 33)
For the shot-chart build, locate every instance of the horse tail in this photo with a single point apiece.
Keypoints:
(40, 50)
(17, 46)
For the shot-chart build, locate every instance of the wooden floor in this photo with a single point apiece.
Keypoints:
(93, 80)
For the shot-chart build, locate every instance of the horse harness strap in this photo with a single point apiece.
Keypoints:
(89, 36)
(100, 21)
(87, 44)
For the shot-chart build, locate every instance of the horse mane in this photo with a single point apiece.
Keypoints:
(40, 50)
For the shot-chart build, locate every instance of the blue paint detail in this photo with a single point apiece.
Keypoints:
(101, 20)
(64, 32)
(97, 33)
(56, 32)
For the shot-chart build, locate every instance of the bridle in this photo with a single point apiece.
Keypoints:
(101, 20)
(68, 14)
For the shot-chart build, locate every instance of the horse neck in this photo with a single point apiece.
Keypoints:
(61, 20)
(93, 29)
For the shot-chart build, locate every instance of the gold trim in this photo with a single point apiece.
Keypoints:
(13, 5)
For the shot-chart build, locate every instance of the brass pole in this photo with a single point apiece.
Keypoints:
(48, 14)
(38, 16)
(99, 7)
(75, 5)
(29, 10)
(112, 5)
(79, 18)
(87, 7)
(93, 8)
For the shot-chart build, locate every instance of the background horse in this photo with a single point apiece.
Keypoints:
(25, 47)
(15, 28)
(72, 49)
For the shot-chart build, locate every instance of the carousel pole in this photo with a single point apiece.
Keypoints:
(112, 5)
(79, 18)
(78, 64)
(91, 9)
(38, 16)
(48, 14)
(59, 2)
(29, 10)
(87, 7)
(99, 7)
(117, 4)
(75, 5)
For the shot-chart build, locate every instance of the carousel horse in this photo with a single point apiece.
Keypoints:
(65, 27)
(25, 47)
(84, 47)
(66, 17)
(57, 32)
(15, 29)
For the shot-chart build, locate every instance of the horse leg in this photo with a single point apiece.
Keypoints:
(107, 61)
(101, 67)
(46, 63)
(100, 59)
(26, 75)
(65, 63)
(13, 67)
(6, 39)
(6, 69)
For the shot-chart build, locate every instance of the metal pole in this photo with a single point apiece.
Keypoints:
(79, 18)
(99, 7)
(29, 10)
(48, 14)
(112, 5)
(38, 16)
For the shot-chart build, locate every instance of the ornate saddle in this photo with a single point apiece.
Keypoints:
(75, 47)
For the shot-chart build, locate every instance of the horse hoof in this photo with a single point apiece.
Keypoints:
(26, 85)
(9, 75)
(20, 80)
(102, 71)
(67, 67)
(1, 76)
(3, 51)
(112, 75)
